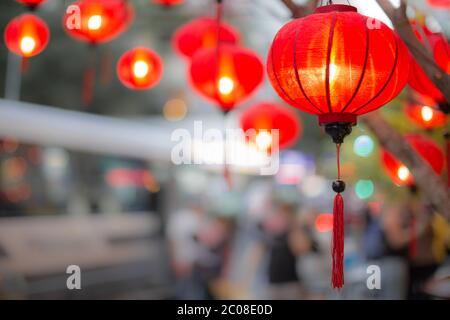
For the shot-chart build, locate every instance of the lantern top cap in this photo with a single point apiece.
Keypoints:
(336, 7)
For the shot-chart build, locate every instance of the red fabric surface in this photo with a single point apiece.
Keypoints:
(202, 33)
(116, 16)
(242, 66)
(26, 25)
(125, 68)
(31, 3)
(336, 63)
(168, 2)
(427, 149)
(271, 115)
(438, 44)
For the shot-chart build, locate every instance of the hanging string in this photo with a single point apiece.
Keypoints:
(89, 77)
(338, 160)
(219, 15)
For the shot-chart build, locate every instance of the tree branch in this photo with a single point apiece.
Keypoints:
(432, 186)
(420, 53)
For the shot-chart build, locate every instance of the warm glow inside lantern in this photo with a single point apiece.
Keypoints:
(267, 116)
(226, 75)
(333, 65)
(425, 116)
(337, 64)
(26, 35)
(425, 147)
(140, 68)
(418, 80)
(202, 33)
(100, 20)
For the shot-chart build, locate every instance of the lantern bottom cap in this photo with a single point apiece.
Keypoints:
(337, 117)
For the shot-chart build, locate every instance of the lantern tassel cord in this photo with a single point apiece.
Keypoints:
(337, 277)
(25, 63)
(226, 169)
(89, 78)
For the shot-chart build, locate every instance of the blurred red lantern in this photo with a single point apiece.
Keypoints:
(32, 4)
(202, 33)
(140, 68)
(168, 2)
(100, 21)
(333, 65)
(226, 75)
(27, 35)
(425, 147)
(324, 222)
(441, 4)
(425, 115)
(266, 116)
(418, 80)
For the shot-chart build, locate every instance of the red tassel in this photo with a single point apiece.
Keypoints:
(413, 239)
(337, 278)
(227, 177)
(24, 65)
(88, 86)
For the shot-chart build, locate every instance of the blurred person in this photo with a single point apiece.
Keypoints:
(182, 229)
(310, 261)
(278, 227)
(385, 243)
(408, 239)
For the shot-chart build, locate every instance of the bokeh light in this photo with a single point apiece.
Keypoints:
(364, 189)
(363, 146)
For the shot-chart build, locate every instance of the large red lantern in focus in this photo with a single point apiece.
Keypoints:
(267, 116)
(441, 4)
(418, 80)
(425, 147)
(168, 3)
(140, 68)
(202, 33)
(100, 20)
(26, 35)
(32, 4)
(337, 64)
(226, 75)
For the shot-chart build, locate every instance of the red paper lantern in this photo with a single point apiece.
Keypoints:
(266, 116)
(140, 68)
(427, 149)
(425, 115)
(418, 80)
(226, 75)
(441, 4)
(337, 64)
(27, 35)
(168, 2)
(202, 33)
(32, 4)
(100, 21)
